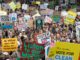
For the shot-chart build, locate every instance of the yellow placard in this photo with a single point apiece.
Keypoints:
(9, 44)
(12, 5)
(18, 5)
(65, 51)
(38, 2)
(70, 18)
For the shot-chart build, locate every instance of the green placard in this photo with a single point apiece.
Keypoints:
(39, 23)
(56, 19)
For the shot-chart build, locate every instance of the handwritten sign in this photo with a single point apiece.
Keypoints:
(9, 44)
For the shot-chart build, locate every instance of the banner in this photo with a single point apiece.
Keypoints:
(70, 18)
(44, 38)
(65, 51)
(9, 44)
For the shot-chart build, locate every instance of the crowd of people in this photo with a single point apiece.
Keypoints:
(59, 31)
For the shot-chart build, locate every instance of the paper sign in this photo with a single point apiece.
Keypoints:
(12, 5)
(65, 51)
(9, 44)
(70, 18)
(43, 37)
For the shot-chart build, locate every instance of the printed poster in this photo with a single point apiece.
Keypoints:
(65, 51)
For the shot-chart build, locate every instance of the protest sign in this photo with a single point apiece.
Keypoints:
(5, 26)
(38, 2)
(18, 5)
(12, 5)
(78, 30)
(44, 6)
(13, 17)
(47, 20)
(47, 48)
(4, 18)
(65, 51)
(9, 44)
(24, 6)
(32, 50)
(70, 18)
(56, 18)
(44, 38)
(3, 13)
(47, 12)
(39, 23)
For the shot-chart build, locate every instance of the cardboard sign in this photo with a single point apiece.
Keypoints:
(65, 51)
(9, 44)
(44, 38)
(70, 18)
